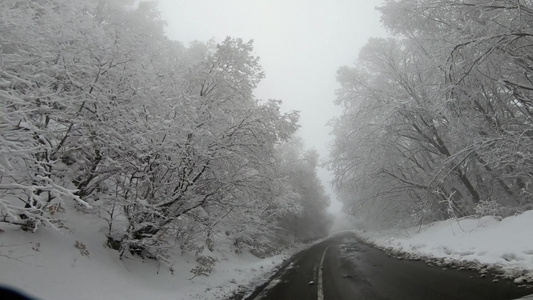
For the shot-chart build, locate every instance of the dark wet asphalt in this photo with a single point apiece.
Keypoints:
(354, 270)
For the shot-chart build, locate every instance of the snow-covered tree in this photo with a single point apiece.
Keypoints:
(309, 220)
(440, 114)
(37, 100)
(166, 142)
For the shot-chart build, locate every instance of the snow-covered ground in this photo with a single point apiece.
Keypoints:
(502, 245)
(75, 264)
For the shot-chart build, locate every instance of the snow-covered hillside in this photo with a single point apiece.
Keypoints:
(75, 264)
(503, 245)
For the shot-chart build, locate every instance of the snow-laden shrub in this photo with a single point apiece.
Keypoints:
(493, 208)
(206, 265)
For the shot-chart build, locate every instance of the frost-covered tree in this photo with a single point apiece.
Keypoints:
(166, 142)
(390, 139)
(440, 114)
(37, 102)
(309, 220)
(217, 154)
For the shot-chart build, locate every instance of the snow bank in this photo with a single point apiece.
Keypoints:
(506, 245)
(75, 264)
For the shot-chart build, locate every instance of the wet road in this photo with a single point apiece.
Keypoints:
(342, 267)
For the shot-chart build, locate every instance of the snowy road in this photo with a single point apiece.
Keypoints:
(344, 268)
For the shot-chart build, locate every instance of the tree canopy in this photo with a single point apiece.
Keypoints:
(436, 120)
(166, 143)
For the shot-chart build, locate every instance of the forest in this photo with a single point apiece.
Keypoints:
(437, 120)
(102, 113)
(167, 144)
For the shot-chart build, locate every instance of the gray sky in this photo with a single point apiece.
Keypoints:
(301, 43)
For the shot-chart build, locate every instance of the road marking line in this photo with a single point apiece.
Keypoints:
(320, 286)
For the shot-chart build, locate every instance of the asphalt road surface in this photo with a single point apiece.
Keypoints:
(343, 267)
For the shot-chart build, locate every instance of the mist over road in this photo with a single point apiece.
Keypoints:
(343, 267)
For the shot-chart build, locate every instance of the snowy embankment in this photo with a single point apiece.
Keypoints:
(75, 264)
(488, 244)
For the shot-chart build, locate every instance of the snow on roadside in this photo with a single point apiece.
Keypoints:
(505, 245)
(74, 264)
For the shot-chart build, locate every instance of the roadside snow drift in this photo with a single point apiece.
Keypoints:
(75, 264)
(505, 244)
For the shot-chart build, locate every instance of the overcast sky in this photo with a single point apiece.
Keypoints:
(301, 43)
